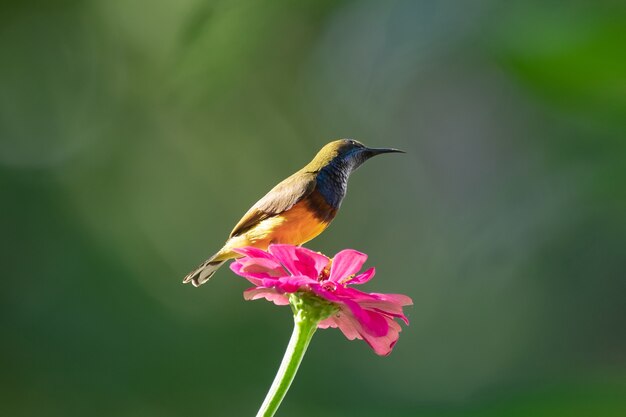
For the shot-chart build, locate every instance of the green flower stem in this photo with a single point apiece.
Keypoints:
(308, 312)
(302, 333)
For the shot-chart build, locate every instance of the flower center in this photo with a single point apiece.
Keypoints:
(325, 274)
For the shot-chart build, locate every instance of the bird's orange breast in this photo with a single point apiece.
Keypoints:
(301, 223)
(297, 225)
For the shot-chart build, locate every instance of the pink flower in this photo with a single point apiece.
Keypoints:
(286, 269)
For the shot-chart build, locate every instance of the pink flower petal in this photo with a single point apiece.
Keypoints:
(298, 260)
(253, 252)
(364, 277)
(348, 325)
(372, 322)
(389, 304)
(236, 267)
(270, 294)
(384, 345)
(346, 293)
(293, 284)
(346, 263)
(257, 268)
(352, 329)
(397, 299)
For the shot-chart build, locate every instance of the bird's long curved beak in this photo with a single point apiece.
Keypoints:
(378, 151)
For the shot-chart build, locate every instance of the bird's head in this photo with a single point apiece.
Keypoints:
(346, 153)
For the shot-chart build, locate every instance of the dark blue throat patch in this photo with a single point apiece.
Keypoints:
(332, 181)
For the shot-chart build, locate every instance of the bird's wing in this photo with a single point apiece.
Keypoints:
(281, 198)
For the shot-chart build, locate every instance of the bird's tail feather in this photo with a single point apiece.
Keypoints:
(203, 272)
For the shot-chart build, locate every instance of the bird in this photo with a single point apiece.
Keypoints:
(297, 209)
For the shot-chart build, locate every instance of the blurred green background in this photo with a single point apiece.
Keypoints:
(134, 134)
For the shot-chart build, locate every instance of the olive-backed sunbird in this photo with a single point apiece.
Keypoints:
(297, 209)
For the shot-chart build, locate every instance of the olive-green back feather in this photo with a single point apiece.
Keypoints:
(280, 198)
